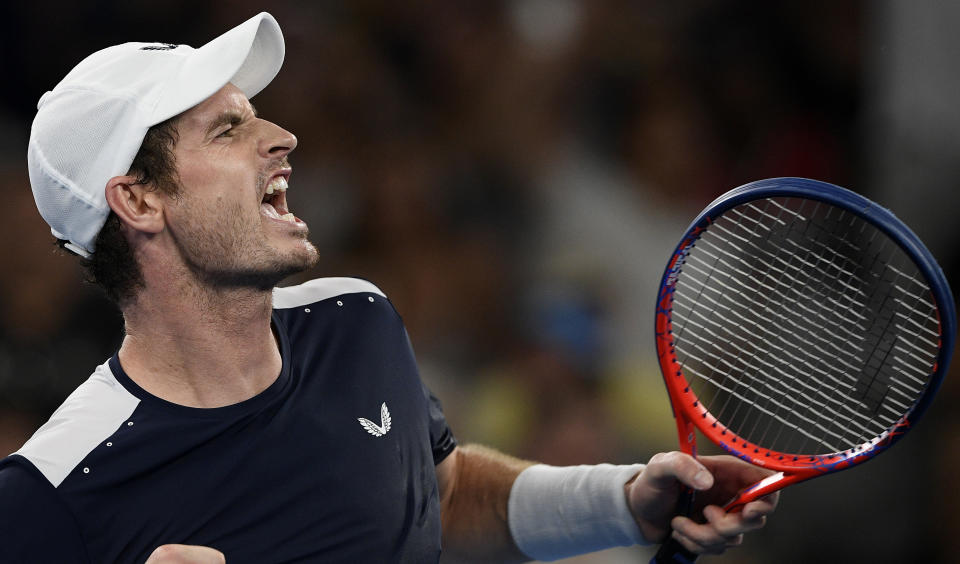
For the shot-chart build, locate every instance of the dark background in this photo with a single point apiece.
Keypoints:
(514, 175)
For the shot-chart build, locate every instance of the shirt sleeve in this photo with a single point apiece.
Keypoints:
(35, 525)
(442, 440)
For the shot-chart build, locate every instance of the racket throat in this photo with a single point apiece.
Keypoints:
(766, 486)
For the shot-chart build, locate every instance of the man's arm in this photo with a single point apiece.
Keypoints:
(476, 484)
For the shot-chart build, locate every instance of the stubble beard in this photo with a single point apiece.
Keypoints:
(230, 255)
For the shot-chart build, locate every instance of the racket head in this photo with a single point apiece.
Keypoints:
(690, 412)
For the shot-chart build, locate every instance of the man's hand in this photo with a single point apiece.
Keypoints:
(185, 554)
(652, 497)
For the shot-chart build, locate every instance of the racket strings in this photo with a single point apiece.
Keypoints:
(743, 355)
(778, 405)
(836, 418)
(801, 327)
(783, 351)
(909, 354)
(840, 268)
(877, 255)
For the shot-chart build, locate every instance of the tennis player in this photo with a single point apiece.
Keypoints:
(262, 424)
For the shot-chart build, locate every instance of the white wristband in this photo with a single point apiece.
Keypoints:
(555, 512)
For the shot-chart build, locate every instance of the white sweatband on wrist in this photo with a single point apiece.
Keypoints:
(555, 512)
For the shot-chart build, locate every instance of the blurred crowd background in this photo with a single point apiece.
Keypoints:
(514, 174)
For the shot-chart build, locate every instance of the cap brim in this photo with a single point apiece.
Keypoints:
(249, 56)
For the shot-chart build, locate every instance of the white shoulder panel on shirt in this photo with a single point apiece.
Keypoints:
(320, 289)
(88, 416)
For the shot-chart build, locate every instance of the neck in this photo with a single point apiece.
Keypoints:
(199, 346)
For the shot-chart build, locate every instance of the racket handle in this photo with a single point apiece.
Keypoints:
(672, 552)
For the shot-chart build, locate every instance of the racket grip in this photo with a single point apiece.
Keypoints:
(672, 552)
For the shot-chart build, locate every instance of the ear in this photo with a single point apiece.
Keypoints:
(135, 204)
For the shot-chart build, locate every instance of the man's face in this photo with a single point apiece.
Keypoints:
(228, 230)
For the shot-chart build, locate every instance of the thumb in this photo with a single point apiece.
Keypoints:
(664, 469)
(185, 554)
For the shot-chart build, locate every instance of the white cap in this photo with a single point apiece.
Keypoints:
(90, 126)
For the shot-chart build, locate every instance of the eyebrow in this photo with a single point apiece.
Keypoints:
(232, 117)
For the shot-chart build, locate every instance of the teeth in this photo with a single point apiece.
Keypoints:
(289, 217)
(278, 184)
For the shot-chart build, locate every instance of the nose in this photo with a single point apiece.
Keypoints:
(276, 141)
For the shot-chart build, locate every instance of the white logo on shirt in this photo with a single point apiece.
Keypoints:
(377, 430)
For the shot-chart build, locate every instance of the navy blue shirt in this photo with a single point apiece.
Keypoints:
(334, 462)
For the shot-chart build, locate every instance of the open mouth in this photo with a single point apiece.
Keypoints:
(274, 203)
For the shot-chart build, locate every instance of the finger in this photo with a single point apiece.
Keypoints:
(704, 536)
(731, 525)
(763, 506)
(665, 469)
(729, 469)
(687, 543)
(698, 548)
(185, 554)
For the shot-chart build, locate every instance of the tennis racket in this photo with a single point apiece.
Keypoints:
(802, 328)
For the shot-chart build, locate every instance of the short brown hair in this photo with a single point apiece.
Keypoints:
(113, 265)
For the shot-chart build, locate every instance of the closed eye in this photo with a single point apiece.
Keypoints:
(227, 120)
